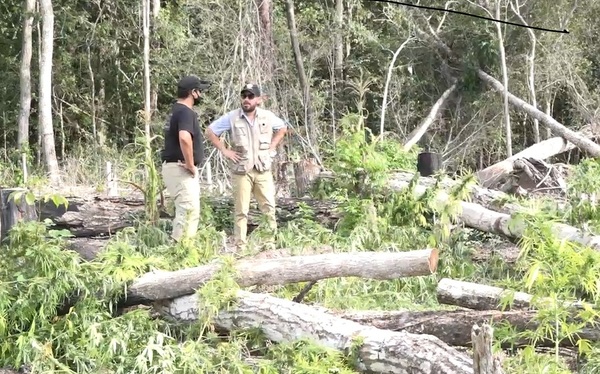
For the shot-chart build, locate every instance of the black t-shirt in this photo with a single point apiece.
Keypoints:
(182, 118)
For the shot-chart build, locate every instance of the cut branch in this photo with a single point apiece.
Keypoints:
(286, 321)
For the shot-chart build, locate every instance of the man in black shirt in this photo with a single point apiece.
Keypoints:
(183, 153)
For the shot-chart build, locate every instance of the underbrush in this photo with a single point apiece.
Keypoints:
(95, 336)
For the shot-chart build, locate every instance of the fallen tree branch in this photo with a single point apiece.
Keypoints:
(377, 350)
(556, 127)
(417, 133)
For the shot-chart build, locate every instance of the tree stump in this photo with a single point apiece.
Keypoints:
(484, 361)
(14, 210)
(428, 163)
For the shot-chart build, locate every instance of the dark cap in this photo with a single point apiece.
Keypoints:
(192, 82)
(252, 88)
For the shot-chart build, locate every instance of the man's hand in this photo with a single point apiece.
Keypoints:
(232, 155)
(190, 168)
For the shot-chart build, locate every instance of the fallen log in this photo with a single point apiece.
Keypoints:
(478, 217)
(292, 269)
(94, 216)
(381, 351)
(497, 174)
(453, 327)
(484, 297)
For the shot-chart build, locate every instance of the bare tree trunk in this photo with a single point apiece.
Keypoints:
(484, 361)
(45, 94)
(531, 61)
(505, 79)
(291, 21)
(147, 88)
(339, 40)
(25, 76)
(387, 84)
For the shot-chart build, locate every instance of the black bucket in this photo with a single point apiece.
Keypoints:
(429, 163)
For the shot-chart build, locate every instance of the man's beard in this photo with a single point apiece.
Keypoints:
(247, 108)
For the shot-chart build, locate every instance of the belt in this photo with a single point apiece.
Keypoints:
(176, 161)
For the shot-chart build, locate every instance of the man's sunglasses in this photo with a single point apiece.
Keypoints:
(248, 95)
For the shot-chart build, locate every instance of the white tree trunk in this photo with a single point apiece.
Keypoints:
(25, 76)
(387, 85)
(484, 361)
(147, 87)
(381, 351)
(507, 128)
(45, 91)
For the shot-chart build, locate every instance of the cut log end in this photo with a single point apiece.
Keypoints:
(434, 257)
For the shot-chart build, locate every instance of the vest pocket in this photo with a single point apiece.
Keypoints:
(266, 161)
(240, 134)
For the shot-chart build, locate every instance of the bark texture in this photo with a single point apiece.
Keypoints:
(484, 361)
(293, 269)
(381, 351)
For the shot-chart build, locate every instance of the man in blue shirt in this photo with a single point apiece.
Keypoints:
(255, 134)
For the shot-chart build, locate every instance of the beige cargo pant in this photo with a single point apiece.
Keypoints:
(184, 189)
(262, 186)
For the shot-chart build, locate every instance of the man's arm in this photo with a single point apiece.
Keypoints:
(280, 129)
(214, 131)
(186, 141)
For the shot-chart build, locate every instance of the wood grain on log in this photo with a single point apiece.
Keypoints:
(292, 269)
(381, 351)
(453, 327)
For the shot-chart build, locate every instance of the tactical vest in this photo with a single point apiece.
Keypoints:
(252, 142)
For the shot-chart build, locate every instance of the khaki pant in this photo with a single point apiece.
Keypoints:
(262, 186)
(184, 189)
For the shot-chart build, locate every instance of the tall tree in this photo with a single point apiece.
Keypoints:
(45, 87)
(25, 75)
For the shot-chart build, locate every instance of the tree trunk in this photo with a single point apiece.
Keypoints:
(25, 76)
(286, 270)
(280, 320)
(388, 79)
(414, 137)
(146, 4)
(507, 128)
(484, 361)
(304, 85)
(45, 91)
(14, 209)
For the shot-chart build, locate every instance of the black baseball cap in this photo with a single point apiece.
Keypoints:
(252, 88)
(192, 82)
